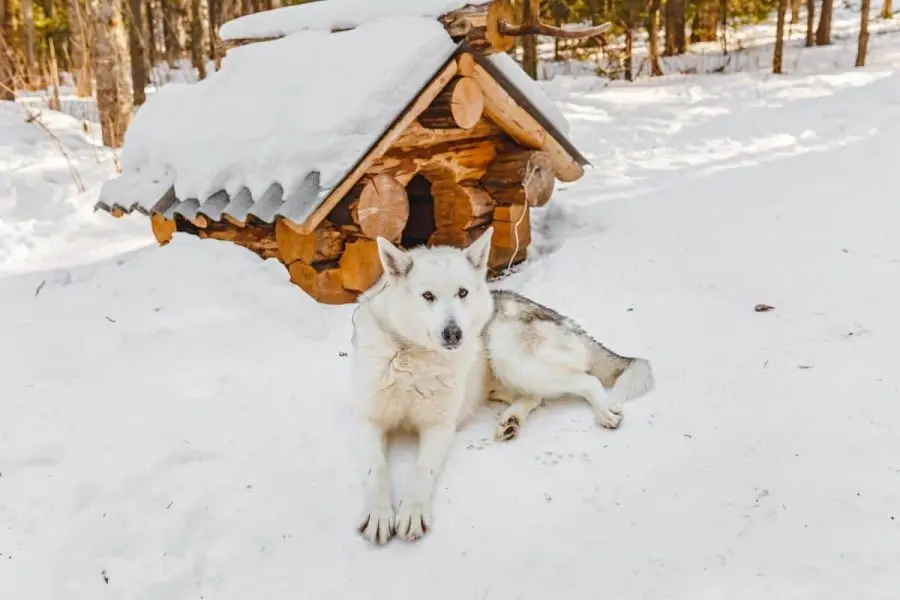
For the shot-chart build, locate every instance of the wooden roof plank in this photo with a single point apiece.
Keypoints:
(519, 118)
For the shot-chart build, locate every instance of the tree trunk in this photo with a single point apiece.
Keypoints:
(214, 7)
(30, 60)
(138, 53)
(629, 40)
(529, 43)
(778, 57)
(823, 33)
(110, 59)
(197, 56)
(674, 24)
(723, 13)
(54, 103)
(810, 23)
(653, 33)
(246, 7)
(863, 33)
(795, 11)
(7, 71)
(79, 49)
(887, 9)
(7, 85)
(150, 29)
(706, 21)
(175, 34)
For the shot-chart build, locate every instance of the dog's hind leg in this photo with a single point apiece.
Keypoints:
(543, 380)
(607, 414)
(377, 525)
(513, 417)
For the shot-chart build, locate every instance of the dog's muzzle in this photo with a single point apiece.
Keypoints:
(451, 336)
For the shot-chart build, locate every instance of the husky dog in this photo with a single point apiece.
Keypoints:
(431, 342)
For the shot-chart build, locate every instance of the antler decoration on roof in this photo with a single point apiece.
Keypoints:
(531, 25)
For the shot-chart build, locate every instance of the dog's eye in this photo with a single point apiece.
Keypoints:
(429, 297)
(462, 293)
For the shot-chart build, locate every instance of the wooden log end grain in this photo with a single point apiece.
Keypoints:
(498, 11)
(360, 265)
(325, 286)
(461, 206)
(458, 106)
(520, 177)
(383, 208)
(163, 228)
(325, 243)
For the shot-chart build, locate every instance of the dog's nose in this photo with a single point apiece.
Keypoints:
(451, 335)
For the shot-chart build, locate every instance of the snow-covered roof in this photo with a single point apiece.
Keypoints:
(520, 80)
(330, 15)
(298, 111)
(284, 122)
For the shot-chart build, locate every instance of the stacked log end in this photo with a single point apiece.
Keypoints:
(360, 265)
(520, 177)
(324, 284)
(458, 106)
(163, 228)
(479, 25)
(382, 208)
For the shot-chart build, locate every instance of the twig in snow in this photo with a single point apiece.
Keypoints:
(763, 308)
(35, 117)
(110, 320)
(40, 287)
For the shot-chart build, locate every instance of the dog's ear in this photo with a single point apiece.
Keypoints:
(396, 262)
(479, 250)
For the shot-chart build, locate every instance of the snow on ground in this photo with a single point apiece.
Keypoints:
(176, 422)
(47, 184)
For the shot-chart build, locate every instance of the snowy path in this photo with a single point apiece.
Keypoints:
(176, 421)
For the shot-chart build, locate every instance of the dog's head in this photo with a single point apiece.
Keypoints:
(439, 297)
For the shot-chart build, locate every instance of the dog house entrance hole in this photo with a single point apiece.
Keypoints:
(420, 224)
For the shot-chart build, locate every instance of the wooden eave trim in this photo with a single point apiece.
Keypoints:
(521, 119)
(404, 119)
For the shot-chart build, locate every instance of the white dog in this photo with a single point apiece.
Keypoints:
(432, 342)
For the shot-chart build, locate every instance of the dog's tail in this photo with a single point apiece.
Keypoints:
(627, 378)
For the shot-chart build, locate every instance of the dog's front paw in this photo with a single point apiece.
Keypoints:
(610, 417)
(413, 520)
(378, 525)
(507, 429)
